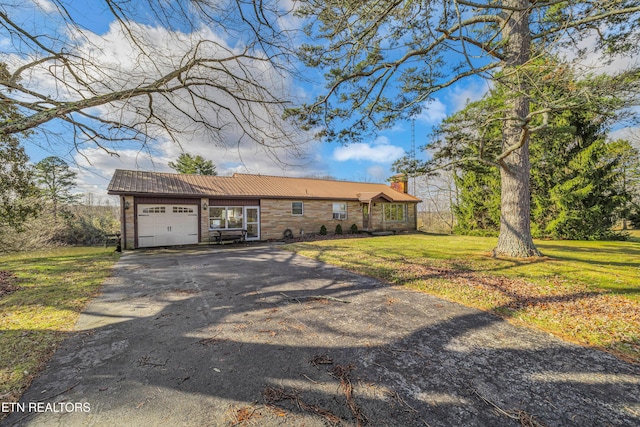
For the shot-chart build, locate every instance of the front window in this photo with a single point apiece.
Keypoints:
(297, 208)
(217, 217)
(225, 217)
(234, 217)
(394, 212)
(340, 210)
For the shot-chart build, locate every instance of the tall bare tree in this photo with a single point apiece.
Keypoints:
(386, 58)
(215, 70)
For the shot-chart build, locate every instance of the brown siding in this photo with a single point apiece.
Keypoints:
(234, 202)
(167, 201)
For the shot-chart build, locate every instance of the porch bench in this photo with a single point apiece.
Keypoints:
(234, 235)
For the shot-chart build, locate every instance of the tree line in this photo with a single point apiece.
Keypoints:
(38, 208)
(582, 182)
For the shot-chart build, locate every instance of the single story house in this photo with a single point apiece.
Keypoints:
(165, 209)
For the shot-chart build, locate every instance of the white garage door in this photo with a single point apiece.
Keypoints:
(167, 225)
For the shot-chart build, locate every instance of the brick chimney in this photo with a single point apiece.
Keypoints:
(400, 182)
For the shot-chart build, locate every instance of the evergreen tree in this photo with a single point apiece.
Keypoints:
(575, 176)
(628, 160)
(576, 189)
(16, 182)
(477, 209)
(193, 165)
(17, 190)
(56, 179)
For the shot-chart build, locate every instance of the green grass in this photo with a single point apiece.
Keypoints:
(54, 286)
(587, 292)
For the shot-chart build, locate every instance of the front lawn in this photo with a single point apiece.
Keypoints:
(586, 292)
(41, 296)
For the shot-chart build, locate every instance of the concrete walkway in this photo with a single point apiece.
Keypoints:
(256, 336)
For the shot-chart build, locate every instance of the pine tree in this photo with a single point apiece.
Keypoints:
(576, 190)
(16, 181)
(193, 165)
(55, 180)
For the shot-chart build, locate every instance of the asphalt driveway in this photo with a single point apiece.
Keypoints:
(253, 335)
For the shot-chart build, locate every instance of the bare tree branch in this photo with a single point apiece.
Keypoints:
(140, 81)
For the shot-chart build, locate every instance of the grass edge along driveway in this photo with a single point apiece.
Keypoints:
(41, 296)
(584, 292)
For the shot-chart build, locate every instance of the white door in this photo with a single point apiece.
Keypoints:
(252, 222)
(167, 225)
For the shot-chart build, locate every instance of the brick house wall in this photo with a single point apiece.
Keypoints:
(276, 217)
(127, 222)
(204, 220)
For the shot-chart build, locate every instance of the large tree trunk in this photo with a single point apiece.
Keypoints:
(515, 223)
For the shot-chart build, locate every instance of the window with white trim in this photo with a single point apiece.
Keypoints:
(297, 208)
(340, 210)
(225, 217)
(394, 212)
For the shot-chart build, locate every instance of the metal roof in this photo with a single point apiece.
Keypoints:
(128, 182)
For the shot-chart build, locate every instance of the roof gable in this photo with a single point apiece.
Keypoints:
(126, 182)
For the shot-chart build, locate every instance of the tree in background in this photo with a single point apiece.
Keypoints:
(628, 159)
(16, 181)
(55, 180)
(385, 59)
(576, 182)
(82, 223)
(576, 190)
(17, 190)
(193, 165)
(88, 223)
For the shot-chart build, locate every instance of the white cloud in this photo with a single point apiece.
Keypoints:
(461, 95)
(224, 110)
(118, 63)
(378, 151)
(595, 62)
(45, 5)
(433, 112)
(456, 98)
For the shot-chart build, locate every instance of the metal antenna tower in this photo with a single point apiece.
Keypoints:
(413, 155)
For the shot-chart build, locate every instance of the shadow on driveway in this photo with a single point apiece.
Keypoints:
(254, 335)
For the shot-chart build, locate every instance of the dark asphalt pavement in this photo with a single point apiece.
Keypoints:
(256, 336)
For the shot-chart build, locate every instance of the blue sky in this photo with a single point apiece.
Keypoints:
(369, 160)
(366, 161)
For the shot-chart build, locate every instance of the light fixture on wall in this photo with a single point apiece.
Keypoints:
(204, 206)
(127, 205)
